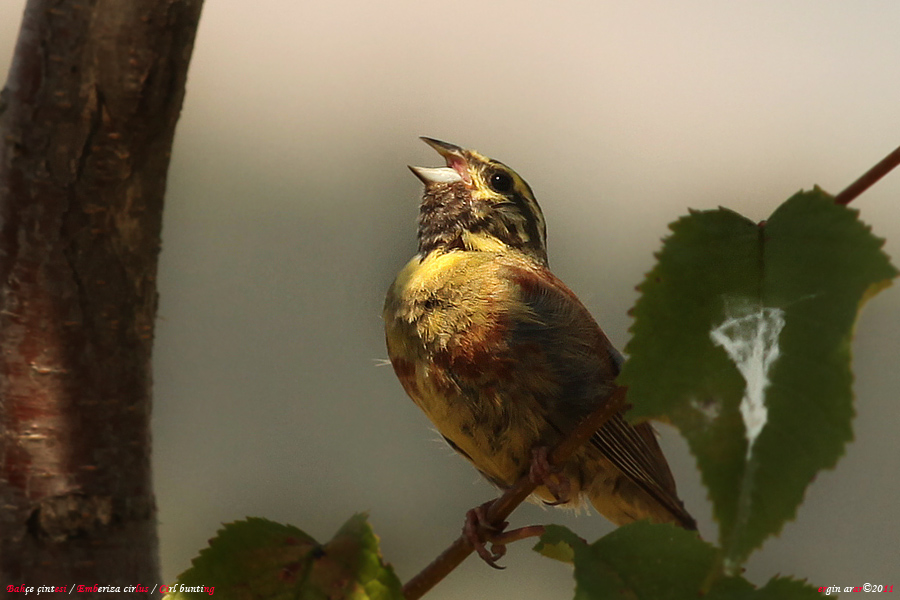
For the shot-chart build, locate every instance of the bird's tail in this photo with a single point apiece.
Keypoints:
(623, 501)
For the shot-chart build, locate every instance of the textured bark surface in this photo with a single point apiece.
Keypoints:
(87, 120)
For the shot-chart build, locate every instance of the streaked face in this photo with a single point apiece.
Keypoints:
(476, 198)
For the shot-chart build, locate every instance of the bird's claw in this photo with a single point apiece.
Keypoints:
(543, 473)
(479, 532)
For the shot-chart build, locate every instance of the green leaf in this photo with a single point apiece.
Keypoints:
(259, 559)
(742, 339)
(645, 561)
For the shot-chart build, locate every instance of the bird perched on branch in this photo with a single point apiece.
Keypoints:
(503, 358)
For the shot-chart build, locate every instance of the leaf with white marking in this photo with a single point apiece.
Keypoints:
(742, 339)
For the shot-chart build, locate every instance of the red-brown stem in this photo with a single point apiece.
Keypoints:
(503, 506)
(868, 179)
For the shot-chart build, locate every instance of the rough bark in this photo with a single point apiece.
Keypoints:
(87, 120)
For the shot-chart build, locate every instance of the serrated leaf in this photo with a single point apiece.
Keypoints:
(262, 560)
(742, 339)
(645, 561)
(640, 561)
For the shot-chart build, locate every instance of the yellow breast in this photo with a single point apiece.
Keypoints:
(441, 296)
(448, 310)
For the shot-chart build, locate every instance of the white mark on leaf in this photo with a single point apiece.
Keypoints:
(751, 341)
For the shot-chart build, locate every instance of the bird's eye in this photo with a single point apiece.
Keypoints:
(500, 182)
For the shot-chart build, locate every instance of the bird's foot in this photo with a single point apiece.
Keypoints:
(480, 532)
(552, 478)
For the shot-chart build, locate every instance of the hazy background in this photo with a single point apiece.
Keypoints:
(290, 209)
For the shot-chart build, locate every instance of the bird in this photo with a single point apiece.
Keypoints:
(503, 357)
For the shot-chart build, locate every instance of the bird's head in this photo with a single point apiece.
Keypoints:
(476, 203)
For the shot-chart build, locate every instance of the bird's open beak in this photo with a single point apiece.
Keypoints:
(457, 168)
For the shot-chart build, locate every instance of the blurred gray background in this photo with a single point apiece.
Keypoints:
(290, 209)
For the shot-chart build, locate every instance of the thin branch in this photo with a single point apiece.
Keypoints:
(503, 506)
(869, 179)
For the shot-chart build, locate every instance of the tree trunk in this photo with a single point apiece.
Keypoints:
(87, 120)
